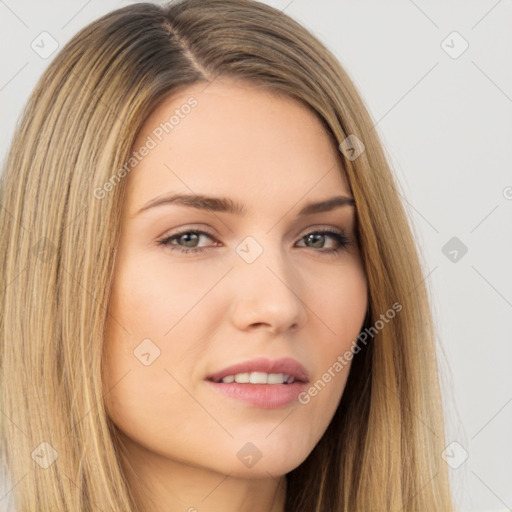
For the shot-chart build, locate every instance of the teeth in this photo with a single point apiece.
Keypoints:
(242, 378)
(276, 378)
(259, 378)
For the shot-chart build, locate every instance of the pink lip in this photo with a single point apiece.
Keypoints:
(264, 396)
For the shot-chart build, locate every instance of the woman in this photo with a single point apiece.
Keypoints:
(288, 363)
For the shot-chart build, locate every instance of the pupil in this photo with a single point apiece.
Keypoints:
(188, 235)
(318, 237)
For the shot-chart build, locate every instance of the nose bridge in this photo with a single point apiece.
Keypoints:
(266, 289)
(261, 259)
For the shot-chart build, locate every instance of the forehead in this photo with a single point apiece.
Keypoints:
(236, 140)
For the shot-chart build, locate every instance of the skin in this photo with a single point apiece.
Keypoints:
(209, 310)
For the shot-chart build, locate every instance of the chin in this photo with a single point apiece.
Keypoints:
(262, 469)
(264, 457)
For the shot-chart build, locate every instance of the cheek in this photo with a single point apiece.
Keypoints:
(151, 315)
(156, 294)
(342, 307)
(341, 302)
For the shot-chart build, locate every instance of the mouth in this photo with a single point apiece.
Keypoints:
(261, 382)
(257, 378)
(262, 371)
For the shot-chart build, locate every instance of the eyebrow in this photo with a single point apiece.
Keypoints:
(224, 204)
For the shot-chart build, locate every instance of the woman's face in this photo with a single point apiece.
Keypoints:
(198, 290)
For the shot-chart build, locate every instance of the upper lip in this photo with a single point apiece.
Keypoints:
(284, 365)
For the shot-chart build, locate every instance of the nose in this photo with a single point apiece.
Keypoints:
(267, 294)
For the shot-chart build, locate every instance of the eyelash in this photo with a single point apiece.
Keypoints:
(343, 241)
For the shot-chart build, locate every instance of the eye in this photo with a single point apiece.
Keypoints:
(318, 238)
(190, 238)
(188, 241)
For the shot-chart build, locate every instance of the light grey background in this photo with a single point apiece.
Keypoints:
(446, 122)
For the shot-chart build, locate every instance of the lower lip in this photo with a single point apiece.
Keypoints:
(264, 396)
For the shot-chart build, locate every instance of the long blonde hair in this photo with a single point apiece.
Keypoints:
(382, 450)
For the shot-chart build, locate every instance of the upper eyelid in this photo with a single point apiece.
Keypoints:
(206, 231)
